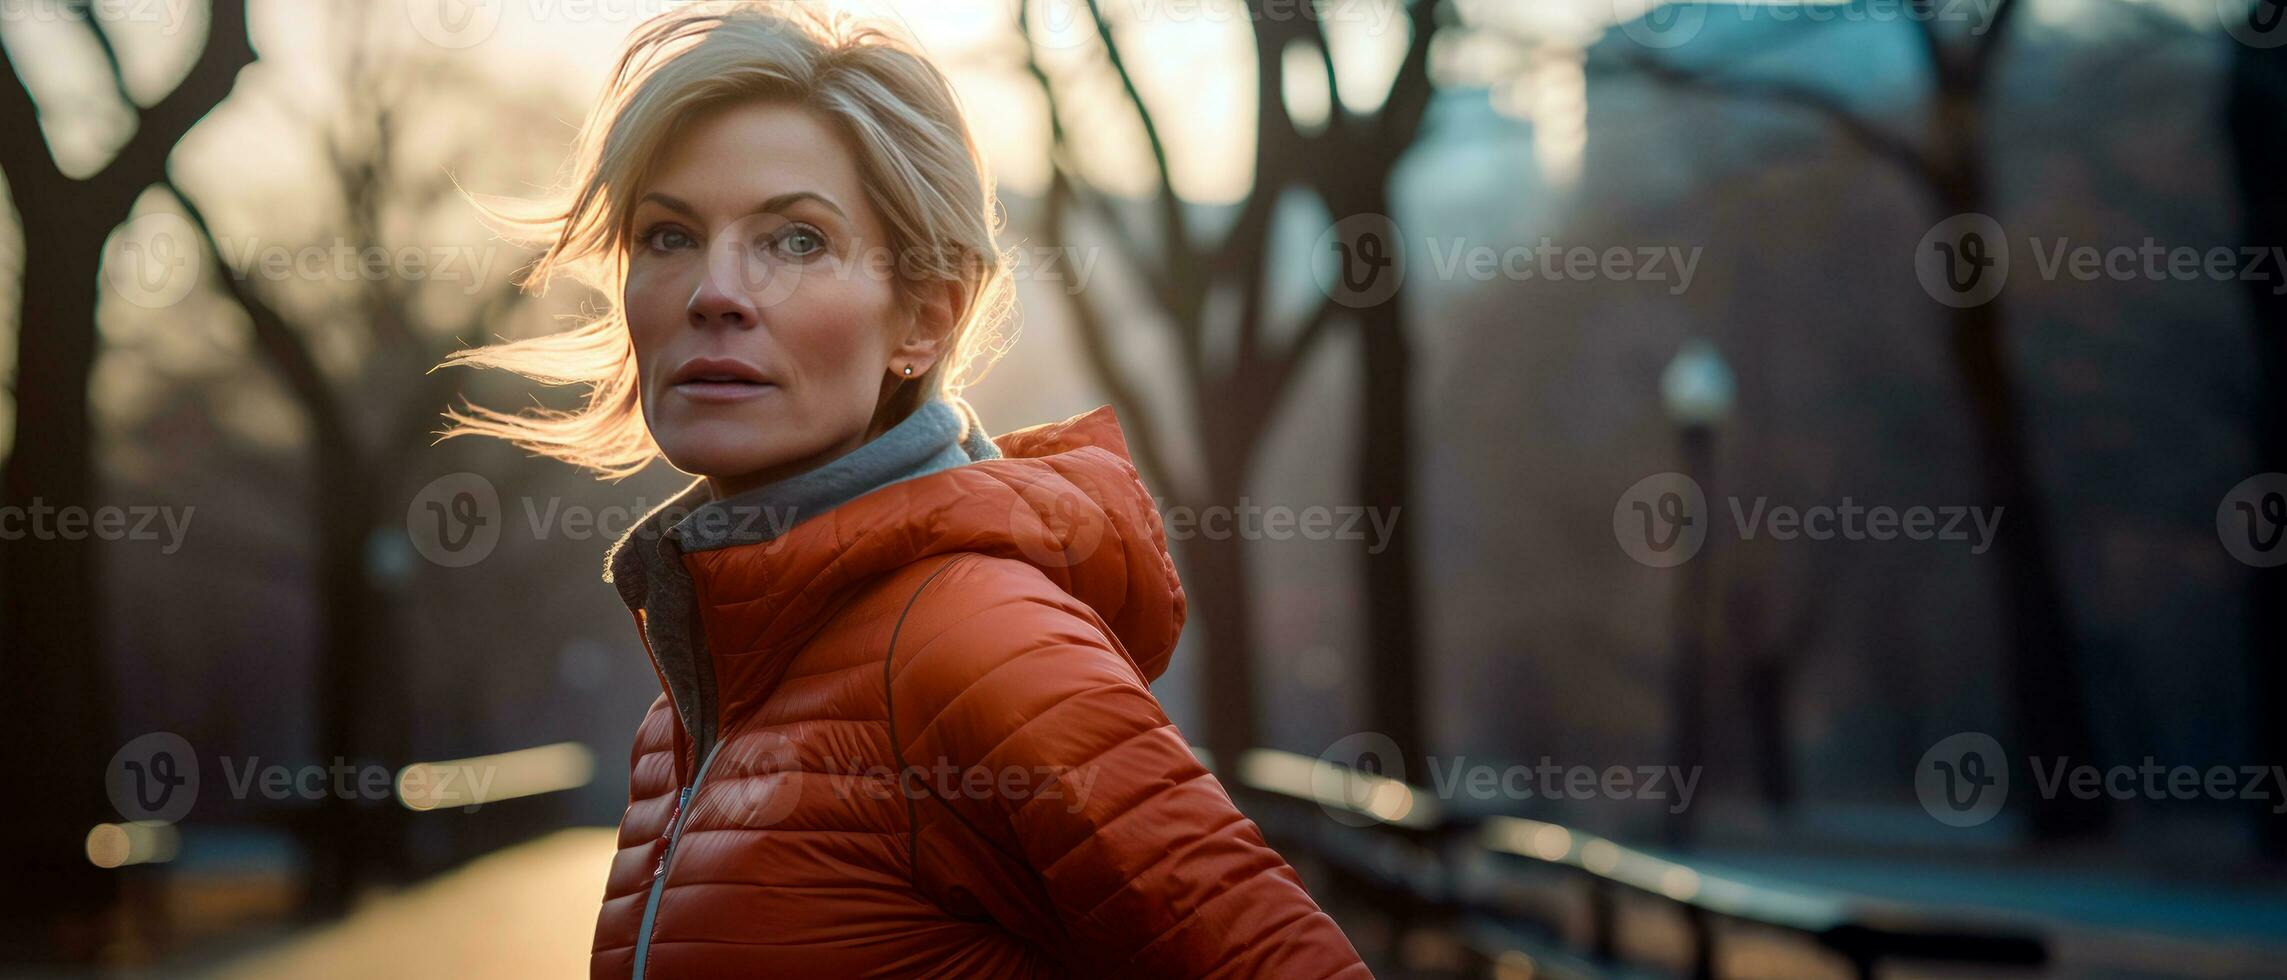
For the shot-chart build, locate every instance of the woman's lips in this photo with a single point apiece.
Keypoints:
(716, 392)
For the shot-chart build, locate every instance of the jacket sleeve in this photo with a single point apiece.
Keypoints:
(1152, 870)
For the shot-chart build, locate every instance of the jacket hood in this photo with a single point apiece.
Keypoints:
(1062, 497)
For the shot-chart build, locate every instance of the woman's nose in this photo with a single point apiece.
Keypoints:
(723, 297)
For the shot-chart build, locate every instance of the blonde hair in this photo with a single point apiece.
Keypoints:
(918, 161)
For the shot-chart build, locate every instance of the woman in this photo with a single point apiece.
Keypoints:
(904, 727)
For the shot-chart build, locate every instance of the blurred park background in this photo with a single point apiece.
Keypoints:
(1555, 309)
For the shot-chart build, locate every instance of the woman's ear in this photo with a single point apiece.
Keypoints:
(931, 334)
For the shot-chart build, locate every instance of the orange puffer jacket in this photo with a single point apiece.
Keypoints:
(931, 751)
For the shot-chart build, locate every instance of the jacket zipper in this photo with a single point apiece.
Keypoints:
(675, 822)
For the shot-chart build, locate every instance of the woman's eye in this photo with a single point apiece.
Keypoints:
(666, 238)
(801, 242)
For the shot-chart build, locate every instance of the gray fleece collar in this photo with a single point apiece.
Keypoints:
(646, 564)
(942, 433)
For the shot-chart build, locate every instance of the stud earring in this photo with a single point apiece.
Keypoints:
(909, 370)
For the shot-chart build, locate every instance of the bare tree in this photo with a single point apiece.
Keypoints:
(1948, 163)
(367, 414)
(57, 705)
(1232, 400)
(366, 420)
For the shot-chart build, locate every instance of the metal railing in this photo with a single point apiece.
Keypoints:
(1424, 862)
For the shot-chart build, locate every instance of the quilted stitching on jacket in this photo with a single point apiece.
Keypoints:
(819, 845)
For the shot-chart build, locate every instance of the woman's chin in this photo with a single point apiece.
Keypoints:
(722, 459)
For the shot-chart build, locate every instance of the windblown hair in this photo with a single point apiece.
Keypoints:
(919, 164)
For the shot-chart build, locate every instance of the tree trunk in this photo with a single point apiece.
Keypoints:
(1385, 487)
(2045, 694)
(2257, 103)
(59, 723)
(359, 701)
(1216, 585)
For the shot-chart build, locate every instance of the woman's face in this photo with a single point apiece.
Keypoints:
(767, 331)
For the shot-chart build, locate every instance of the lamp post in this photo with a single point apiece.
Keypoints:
(1698, 393)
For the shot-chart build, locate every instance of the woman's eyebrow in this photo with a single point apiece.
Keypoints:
(777, 204)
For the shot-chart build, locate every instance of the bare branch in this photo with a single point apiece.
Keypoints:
(159, 127)
(1282, 370)
(1989, 44)
(1869, 136)
(24, 154)
(1410, 92)
(1175, 239)
(81, 10)
(284, 348)
(1066, 178)
(1095, 344)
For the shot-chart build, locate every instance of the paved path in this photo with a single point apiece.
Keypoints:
(524, 911)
